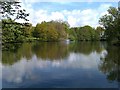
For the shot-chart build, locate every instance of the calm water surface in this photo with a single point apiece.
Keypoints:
(60, 64)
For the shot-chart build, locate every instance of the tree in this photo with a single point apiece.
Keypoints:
(12, 30)
(27, 30)
(72, 34)
(100, 33)
(85, 33)
(51, 31)
(61, 28)
(88, 32)
(111, 23)
(12, 10)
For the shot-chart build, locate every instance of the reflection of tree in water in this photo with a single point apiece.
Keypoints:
(86, 47)
(51, 50)
(110, 65)
(42, 50)
(14, 52)
(11, 47)
(9, 55)
(47, 50)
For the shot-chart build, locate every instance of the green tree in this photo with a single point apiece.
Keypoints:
(72, 34)
(51, 31)
(11, 9)
(27, 30)
(111, 23)
(99, 33)
(12, 30)
(61, 27)
(85, 33)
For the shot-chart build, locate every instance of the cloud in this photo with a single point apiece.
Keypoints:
(57, 16)
(75, 17)
(25, 69)
(72, 21)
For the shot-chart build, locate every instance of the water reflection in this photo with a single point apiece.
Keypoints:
(87, 47)
(13, 55)
(110, 65)
(55, 64)
(51, 51)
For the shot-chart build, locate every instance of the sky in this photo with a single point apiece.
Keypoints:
(75, 12)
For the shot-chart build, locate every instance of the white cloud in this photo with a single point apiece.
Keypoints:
(57, 16)
(74, 17)
(72, 21)
(26, 70)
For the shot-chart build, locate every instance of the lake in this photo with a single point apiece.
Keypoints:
(60, 65)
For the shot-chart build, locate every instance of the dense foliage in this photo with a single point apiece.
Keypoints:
(15, 32)
(111, 23)
(85, 33)
(50, 31)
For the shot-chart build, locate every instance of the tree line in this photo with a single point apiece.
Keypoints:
(13, 31)
(86, 33)
(48, 31)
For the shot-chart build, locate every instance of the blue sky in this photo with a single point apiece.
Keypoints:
(75, 13)
(56, 6)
